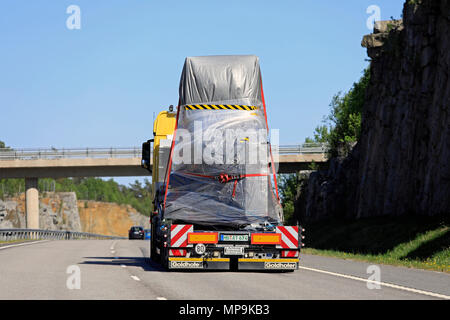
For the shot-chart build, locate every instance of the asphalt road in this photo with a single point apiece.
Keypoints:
(121, 269)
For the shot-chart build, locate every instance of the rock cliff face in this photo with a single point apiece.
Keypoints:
(11, 215)
(62, 211)
(57, 211)
(401, 163)
(109, 218)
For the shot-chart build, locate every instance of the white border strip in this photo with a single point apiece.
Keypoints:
(427, 293)
(22, 244)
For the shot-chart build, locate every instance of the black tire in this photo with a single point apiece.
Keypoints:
(153, 255)
(164, 258)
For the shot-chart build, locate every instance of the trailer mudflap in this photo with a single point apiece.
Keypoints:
(267, 264)
(178, 263)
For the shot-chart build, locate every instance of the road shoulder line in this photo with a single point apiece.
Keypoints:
(427, 293)
(22, 244)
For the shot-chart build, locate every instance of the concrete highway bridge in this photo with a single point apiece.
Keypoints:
(32, 164)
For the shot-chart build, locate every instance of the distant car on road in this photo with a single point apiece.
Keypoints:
(147, 234)
(136, 232)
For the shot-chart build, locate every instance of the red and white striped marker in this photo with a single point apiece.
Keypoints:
(177, 252)
(289, 237)
(178, 235)
(289, 253)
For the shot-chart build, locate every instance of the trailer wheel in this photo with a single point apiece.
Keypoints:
(164, 258)
(153, 255)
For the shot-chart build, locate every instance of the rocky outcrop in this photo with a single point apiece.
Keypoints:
(401, 164)
(109, 218)
(11, 215)
(57, 211)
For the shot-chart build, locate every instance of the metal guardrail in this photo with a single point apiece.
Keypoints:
(304, 148)
(75, 153)
(38, 234)
(131, 152)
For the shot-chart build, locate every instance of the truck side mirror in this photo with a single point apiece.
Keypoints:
(146, 154)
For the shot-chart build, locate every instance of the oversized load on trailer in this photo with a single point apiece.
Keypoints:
(221, 131)
(215, 197)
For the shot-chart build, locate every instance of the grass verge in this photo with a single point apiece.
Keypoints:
(411, 242)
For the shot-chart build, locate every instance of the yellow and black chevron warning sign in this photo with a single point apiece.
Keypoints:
(219, 107)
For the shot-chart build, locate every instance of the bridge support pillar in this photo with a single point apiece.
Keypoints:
(32, 203)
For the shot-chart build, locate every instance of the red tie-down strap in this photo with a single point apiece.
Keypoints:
(270, 147)
(225, 178)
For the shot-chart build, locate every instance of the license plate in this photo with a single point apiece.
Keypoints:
(234, 237)
(233, 251)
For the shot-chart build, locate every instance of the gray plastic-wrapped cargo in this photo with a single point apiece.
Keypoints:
(220, 174)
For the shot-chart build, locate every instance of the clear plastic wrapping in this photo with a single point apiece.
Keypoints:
(220, 172)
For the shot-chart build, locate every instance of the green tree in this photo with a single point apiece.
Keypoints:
(288, 184)
(343, 125)
(321, 135)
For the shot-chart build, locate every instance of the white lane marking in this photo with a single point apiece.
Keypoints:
(427, 293)
(135, 278)
(161, 298)
(22, 244)
(123, 266)
(112, 251)
(113, 244)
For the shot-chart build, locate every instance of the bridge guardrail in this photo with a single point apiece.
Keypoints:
(41, 234)
(303, 148)
(130, 152)
(76, 153)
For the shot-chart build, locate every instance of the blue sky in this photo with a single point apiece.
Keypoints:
(99, 86)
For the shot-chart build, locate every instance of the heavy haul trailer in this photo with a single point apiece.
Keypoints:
(215, 205)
